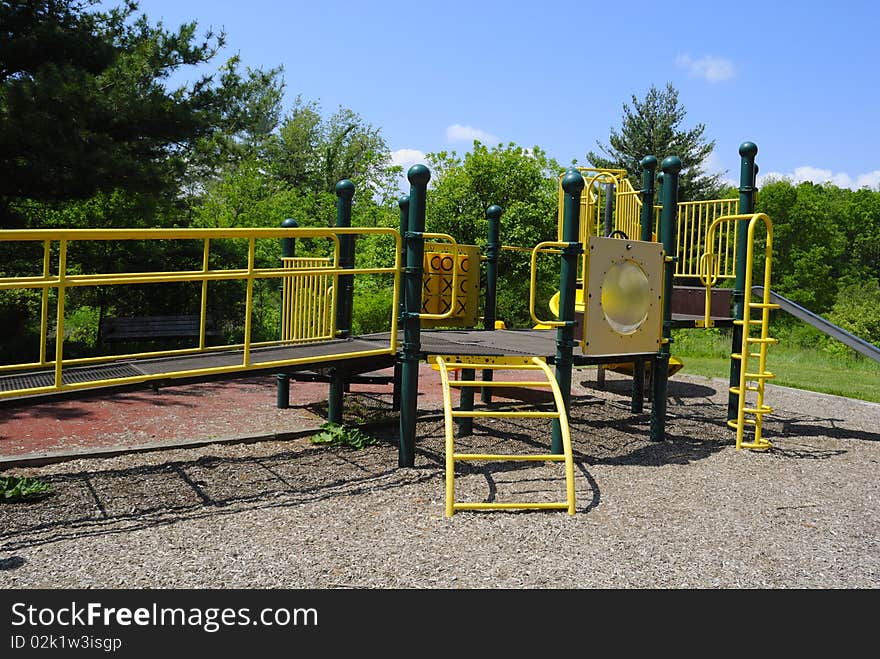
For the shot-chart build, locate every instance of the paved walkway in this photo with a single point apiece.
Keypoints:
(185, 415)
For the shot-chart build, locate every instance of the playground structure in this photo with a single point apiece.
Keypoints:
(625, 285)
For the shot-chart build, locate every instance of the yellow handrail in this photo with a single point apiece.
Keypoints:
(541, 247)
(454, 295)
(63, 280)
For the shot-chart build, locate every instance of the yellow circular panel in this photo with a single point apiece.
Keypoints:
(626, 296)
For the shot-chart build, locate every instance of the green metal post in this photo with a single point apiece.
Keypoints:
(747, 173)
(493, 251)
(646, 220)
(288, 249)
(344, 295)
(403, 204)
(572, 185)
(466, 403)
(418, 176)
(671, 166)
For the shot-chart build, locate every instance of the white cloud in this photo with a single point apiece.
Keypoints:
(406, 158)
(711, 69)
(819, 175)
(459, 133)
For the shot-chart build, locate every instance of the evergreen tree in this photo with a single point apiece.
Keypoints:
(653, 126)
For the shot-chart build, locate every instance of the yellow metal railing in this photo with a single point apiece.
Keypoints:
(56, 247)
(535, 364)
(692, 239)
(694, 218)
(760, 375)
(308, 300)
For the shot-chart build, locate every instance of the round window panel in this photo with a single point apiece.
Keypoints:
(626, 296)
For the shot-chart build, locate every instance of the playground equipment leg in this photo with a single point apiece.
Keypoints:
(282, 394)
(660, 372)
(493, 248)
(572, 184)
(288, 249)
(638, 386)
(747, 172)
(418, 176)
(466, 403)
(335, 400)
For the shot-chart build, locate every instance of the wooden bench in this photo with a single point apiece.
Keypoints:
(149, 328)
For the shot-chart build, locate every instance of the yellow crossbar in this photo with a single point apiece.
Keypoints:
(512, 458)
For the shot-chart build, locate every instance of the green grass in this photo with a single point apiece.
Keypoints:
(811, 368)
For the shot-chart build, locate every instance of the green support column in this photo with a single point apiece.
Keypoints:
(466, 403)
(288, 249)
(671, 166)
(572, 185)
(344, 195)
(493, 251)
(646, 220)
(403, 204)
(747, 173)
(418, 176)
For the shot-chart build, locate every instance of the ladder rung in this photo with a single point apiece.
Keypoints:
(758, 410)
(766, 375)
(735, 390)
(751, 322)
(760, 445)
(499, 383)
(492, 367)
(511, 458)
(502, 415)
(748, 422)
(509, 506)
(763, 305)
(767, 340)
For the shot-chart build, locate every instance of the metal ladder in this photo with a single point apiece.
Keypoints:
(753, 415)
(535, 364)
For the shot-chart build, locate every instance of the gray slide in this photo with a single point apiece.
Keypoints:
(856, 343)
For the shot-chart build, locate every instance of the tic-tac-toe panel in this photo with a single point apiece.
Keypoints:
(623, 281)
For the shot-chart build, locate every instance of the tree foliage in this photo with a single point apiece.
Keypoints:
(654, 126)
(85, 105)
(524, 183)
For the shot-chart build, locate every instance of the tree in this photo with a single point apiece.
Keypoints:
(314, 154)
(524, 183)
(84, 102)
(653, 126)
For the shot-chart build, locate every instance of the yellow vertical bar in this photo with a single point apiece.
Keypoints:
(249, 299)
(59, 321)
(203, 307)
(44, 303)
(450, 439)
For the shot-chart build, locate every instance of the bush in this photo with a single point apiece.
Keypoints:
(857, 310)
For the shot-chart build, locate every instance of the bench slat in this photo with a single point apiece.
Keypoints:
(128, 328)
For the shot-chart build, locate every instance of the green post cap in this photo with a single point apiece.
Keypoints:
(403, 202)
(494, 212)
(345, 189)
(418, 175)
(671, 165)
(748, 150)
(649, 162)
(573, 182)
(289, 223)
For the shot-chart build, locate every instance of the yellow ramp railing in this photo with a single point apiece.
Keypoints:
(57, 274)
(531, 364)
(308, 299)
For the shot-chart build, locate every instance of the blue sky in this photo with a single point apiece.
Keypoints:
(799, 79)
